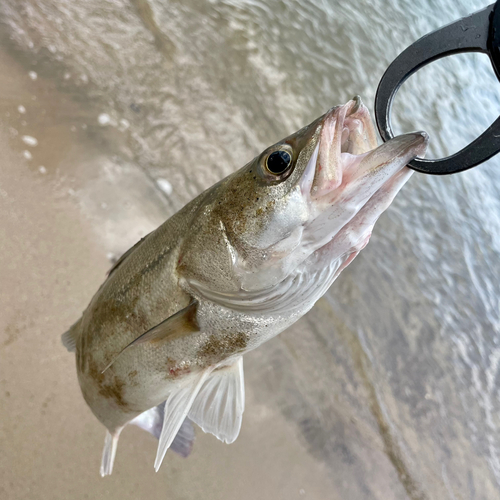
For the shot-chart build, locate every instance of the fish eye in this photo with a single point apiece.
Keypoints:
(278, 162)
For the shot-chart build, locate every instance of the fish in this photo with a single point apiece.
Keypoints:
(161, 343)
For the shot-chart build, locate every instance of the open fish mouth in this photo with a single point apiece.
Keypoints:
(347, 152)
(348, 174)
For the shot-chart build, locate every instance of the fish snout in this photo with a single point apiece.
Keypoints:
(389, 158)
(370, 172)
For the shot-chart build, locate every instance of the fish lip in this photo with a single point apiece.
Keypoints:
(353, 109)
(422, 137)
(357, 104)
(425, 140)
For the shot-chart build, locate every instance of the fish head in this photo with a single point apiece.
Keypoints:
(308, 202)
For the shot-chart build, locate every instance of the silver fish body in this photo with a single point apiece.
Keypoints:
(232, 269)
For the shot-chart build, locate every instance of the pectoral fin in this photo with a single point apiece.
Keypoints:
(179, 324)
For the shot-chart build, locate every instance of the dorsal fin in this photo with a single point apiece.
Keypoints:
(125, 255)
(69, 338)
(179, 324)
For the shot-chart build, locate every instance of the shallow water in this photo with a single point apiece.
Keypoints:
(391, 382)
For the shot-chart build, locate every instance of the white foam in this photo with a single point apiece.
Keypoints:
(33, 75)
(29, 140)
(165, 186)
(123, 124)
(21, 109)
(27, 155)
(104, 119)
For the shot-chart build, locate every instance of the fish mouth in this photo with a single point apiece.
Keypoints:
(346, 155)
(349, 180)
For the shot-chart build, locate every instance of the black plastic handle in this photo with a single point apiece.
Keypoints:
(480, 32)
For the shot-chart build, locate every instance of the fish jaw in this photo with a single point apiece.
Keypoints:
(345, 129)
(345, 172)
